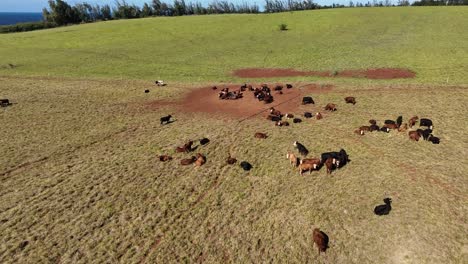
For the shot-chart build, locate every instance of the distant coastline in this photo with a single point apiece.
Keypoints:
(11, 18)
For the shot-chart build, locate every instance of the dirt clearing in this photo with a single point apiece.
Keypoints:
(379, 73)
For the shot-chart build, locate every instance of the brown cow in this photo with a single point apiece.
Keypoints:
(230, 160)
(186, 148)
(350, 100)
(412, 121)
(318, 116)
(414, 135)
(403, 128)
(372, 122)
(282, 123)
(330, 107)
(200, 160)
(321, 240)
(330, 163)
(306, 167)
(359, 132)
(314, 161)
(275, 112)
(364, 128)
(391, 126)
(188, 161)
(165, 158)
(261, 135)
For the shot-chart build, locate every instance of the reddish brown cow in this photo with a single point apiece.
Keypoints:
(330, 107)
(165, 158)
(186, 148)
(412, 121)
(320, 239)
(188, 161)
(200, 160)
(261, 135)
(414, 135)
(350, 100)
(391, 126)
(318, 116)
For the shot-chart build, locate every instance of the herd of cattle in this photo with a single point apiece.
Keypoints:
(330, 160)
(415, 135)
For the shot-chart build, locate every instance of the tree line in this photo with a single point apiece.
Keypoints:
(61, 13)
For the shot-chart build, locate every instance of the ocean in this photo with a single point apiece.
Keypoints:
(8, 18)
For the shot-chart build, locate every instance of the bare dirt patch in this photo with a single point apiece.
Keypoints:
(379, 73)
(205, 100)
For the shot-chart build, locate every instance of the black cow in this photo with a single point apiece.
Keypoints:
(426, 133)
(289, 86)
(388, 121)
(204, 141)
(278, 88)
(4, 102)
(302, 150)
(373, 128)
(307, 100)
(434, 140)
(385, 129)
(165, 119)
(326, 155)
(297, 120)
(425, 122)
(383, 209)
(399, 120)
(246, 166)
(308, 115)
(147, 91)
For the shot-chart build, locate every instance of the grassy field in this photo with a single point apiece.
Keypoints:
(80, 181)
(430, 41)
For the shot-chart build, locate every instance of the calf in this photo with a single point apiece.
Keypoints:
(307, 100)
(297, 120)
(320, 239)
(200, 160)
(164, 158)
(261, 135)
(383, 209)
(330, 107)
(188, 161)
(425, 122)
(330, 164)
(414, 135)
(302, 150)
(412, 121)
(306, 167)
(350, 100)
(245, 165)
(308, 115)
(292, 159)
(318, 116)
(165, 119)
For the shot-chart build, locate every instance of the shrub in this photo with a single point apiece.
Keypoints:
(283, 27)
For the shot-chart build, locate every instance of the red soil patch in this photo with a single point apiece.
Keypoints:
(205, 100)
(380, 73)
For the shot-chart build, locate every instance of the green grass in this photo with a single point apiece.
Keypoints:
(429, 40)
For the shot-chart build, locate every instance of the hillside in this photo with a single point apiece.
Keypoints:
(209, 48)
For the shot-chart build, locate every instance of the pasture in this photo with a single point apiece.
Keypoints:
(80, 180)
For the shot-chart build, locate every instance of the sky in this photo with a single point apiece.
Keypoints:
(37, 5)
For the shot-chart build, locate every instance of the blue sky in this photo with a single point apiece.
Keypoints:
(37, 5)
